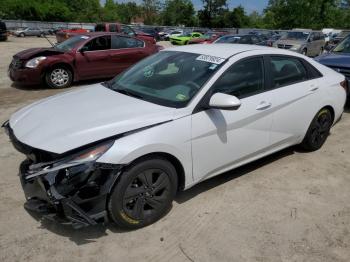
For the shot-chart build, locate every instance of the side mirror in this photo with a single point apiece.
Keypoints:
(224, 102)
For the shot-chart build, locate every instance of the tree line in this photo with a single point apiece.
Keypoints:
(279, 14)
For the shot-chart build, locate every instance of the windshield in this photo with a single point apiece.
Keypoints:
(296, 36)
(167, 78)
(70, 43)
(343, 47)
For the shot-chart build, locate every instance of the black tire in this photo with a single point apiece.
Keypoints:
(41, 35)
(304, 52)
(22, 35)
(143, 193)
(318, 131)
(59, 77)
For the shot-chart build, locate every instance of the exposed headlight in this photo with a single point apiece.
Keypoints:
(33, 63)
(295, 47)
(85, 157)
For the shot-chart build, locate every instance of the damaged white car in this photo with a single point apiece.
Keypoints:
(121, 150)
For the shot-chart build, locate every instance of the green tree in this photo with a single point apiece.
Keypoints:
(178, 12)
(128, 11)
(211, 12)
(110, 11)
(150, 10)
(314, 14)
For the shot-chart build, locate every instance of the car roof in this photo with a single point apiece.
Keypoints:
(219, 50)
(102, 33)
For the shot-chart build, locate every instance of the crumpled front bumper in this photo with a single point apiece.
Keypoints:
(76, 196)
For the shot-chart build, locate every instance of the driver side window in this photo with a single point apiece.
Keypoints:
(242, 79)
(98, 44)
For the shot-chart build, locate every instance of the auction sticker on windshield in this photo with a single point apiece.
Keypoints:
(211, 59)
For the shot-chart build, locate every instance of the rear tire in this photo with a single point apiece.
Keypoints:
(318, 131)
(143, 194)
(304, 52)
(59, 77)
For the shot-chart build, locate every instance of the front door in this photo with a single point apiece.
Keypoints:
(125, 52)
(221, 139)
(93, 60)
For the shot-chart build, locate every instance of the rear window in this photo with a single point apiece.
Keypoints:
(100, 28)
(287, 71)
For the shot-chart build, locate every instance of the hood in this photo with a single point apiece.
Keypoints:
(289, 42)
(334, 59)
(73, 119)
(35, 52)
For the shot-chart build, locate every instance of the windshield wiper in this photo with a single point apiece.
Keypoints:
(128, 93)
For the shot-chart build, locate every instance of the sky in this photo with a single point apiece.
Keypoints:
(249, 5)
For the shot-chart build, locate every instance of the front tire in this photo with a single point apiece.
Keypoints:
(318, 131)
(143, 194)
(304, 52)
(59, 77)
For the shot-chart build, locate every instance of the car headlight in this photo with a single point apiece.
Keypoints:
(86, 157)
(33, 63)
(295, 47)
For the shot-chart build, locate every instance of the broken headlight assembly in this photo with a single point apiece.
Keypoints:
(85, 157)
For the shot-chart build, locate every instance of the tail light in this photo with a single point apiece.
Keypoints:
(344, 84)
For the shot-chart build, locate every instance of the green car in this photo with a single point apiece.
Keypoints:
(185, 38)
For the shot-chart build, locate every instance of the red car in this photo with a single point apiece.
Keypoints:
(64, 34)
(107, 27)
(208, 38)
(88, 56)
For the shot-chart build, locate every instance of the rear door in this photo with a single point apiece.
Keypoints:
(125, 51)
(93, 59)
(314, 44)
(293, 94)
(223, 139)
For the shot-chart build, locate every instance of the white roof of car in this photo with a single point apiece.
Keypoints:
(220, 50)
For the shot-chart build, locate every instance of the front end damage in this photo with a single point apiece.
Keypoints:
(70, 189)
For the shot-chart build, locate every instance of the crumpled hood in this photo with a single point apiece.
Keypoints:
(334, 59)
(35, 52)
(73, 119)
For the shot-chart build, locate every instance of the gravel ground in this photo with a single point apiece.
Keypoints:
(291, 206)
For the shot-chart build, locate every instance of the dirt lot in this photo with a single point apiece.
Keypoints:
(291, 206)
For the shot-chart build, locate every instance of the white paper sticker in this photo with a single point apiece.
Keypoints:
(211, 59)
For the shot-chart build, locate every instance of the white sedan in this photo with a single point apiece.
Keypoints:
(122, 149)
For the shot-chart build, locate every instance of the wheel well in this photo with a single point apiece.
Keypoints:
(174, 161)
(331, 110)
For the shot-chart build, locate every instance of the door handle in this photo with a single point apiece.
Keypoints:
(263, 106)
(313, 89)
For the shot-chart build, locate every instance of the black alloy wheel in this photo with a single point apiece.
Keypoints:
(143, 194)
(146, 194)
(318, 131)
